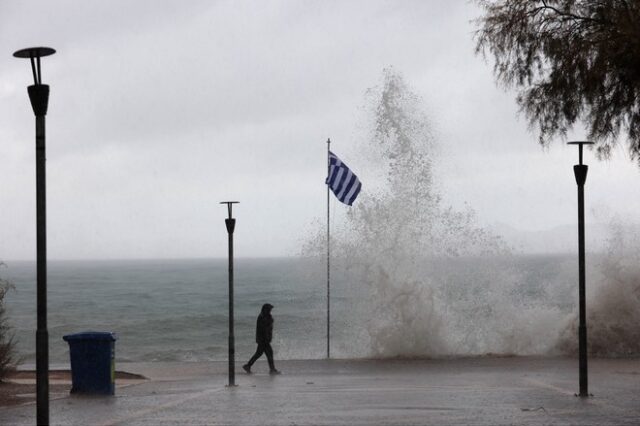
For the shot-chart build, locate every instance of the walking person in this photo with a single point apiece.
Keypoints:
(264, 333)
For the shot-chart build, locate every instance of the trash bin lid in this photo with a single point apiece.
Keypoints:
(91, 335)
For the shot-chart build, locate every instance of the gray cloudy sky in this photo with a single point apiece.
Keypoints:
(161, 109)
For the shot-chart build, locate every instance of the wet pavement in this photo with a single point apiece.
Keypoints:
(468, 391)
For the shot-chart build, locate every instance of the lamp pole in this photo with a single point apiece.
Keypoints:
(230, 222)
(39, 97)
(580, 172)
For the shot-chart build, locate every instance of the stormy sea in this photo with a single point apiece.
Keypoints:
(177, 310)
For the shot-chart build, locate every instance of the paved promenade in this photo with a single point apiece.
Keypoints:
(470, 391)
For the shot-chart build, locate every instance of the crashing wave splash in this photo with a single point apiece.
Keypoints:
(401, 249)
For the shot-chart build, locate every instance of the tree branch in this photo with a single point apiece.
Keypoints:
(569, 14)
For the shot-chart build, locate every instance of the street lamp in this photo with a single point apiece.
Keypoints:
(39, 97)
(580, 172)
(230, 222)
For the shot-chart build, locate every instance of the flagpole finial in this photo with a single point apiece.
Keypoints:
(328, 141)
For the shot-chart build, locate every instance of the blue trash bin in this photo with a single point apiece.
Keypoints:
(93, 362)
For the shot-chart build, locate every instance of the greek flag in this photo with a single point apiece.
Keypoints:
(344, 184)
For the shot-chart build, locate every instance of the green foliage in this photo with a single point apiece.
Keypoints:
(571, 61)
(7, 343)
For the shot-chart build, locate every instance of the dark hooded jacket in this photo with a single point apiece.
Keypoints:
(264, 325)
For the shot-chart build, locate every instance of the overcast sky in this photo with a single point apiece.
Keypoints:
(161, 109)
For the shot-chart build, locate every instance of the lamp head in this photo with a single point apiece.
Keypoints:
(229, 205)
(35, 53)
(580, 145)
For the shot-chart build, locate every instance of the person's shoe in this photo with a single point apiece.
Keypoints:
(247, 368)
(274, 371)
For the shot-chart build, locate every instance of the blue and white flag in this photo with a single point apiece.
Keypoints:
(342, 181)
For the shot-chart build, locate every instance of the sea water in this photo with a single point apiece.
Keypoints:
(177, 310)
(173, 310)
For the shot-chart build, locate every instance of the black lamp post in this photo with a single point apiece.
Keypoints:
(39, 97)
(580, 172)
(230, 222)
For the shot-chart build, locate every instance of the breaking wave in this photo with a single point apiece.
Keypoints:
(613, 300)
(425, 279)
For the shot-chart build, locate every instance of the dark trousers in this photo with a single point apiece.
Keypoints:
(263, 348)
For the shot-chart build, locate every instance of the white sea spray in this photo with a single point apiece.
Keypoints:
(400, 245)
(613, 298)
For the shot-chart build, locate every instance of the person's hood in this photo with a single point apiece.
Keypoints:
(266, 309)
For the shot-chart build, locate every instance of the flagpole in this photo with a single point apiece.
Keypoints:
(328, 261)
